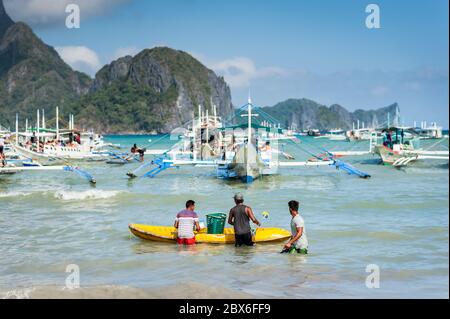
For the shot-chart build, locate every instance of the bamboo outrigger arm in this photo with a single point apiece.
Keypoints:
(72, 169)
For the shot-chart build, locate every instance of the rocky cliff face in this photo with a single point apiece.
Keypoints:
(305, 114)
(32, 75)
(5, 20)
(169, 84)
(158, 89)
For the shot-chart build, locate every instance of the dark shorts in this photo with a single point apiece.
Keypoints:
(244, 239)
(1, 149)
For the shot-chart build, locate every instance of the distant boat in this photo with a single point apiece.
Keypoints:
(57, 147)
(362, 134)
(430, 132)
(400, 150)
(313, 132)
(334, 135)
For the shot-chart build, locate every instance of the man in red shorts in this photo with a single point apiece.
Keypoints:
(185, 222)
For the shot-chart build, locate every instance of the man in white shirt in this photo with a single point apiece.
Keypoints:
(185, 223)
(298, 242)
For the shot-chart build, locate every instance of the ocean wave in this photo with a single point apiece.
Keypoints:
(83, 195)
(17, 294)
(185, 291)
(14, 194)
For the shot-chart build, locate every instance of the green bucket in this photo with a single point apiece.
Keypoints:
(216, 223)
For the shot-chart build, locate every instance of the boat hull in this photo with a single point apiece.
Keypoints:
(390, 157)
(50, 159)
(169, 234)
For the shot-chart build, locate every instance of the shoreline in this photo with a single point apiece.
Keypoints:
(178, 291)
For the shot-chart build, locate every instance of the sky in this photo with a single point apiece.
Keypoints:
(321, 50)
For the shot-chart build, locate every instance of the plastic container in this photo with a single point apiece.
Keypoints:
(216, 223)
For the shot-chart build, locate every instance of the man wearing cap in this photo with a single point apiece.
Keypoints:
(240, 216)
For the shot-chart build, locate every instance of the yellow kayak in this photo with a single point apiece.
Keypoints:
(169, 234)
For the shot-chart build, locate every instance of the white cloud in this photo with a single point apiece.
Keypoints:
(239, 72)
(80, 58)
(48, 12)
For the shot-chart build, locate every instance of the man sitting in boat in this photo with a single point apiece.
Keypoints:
(266, 152)
(266, 147)
(298, 242)
(185, 222)
(240, 216)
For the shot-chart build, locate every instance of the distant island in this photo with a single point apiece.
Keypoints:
(155, 91)
(303, 114)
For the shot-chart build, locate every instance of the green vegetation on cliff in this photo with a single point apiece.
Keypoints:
(158, 89)
(125, 107)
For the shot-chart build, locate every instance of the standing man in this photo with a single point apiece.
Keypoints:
(240, 216)
(185, 222)
(2, 144)
(298, 242)
(135, 149)
(389, 140)
(2, 154)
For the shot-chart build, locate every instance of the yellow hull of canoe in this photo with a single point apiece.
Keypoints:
(169, 234)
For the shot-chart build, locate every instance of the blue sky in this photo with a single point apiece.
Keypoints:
(320, 50)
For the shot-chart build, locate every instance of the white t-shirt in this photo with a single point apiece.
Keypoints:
(297, 222)
(2, 141)
(186, 221)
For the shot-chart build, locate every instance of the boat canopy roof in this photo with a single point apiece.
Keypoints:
(254, 125)
(53, 131)
(40, 134)
(400, 128)
(365, 129)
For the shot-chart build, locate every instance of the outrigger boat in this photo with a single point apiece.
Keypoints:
(429, 132)
(401, 150)
(15, 163)
(12, 169)
(55, 146)
(244, 152)
(362, 134)
(29, 150)
(334, 135)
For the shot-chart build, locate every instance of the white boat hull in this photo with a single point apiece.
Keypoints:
(56, 157)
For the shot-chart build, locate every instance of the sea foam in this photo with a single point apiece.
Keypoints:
(83, 195)
(13, 194)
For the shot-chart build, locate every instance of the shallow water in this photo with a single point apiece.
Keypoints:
(397, 220)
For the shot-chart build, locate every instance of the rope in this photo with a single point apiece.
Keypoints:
(437, 143)
(235, 114)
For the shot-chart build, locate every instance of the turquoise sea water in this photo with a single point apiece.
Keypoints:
(397, 220)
